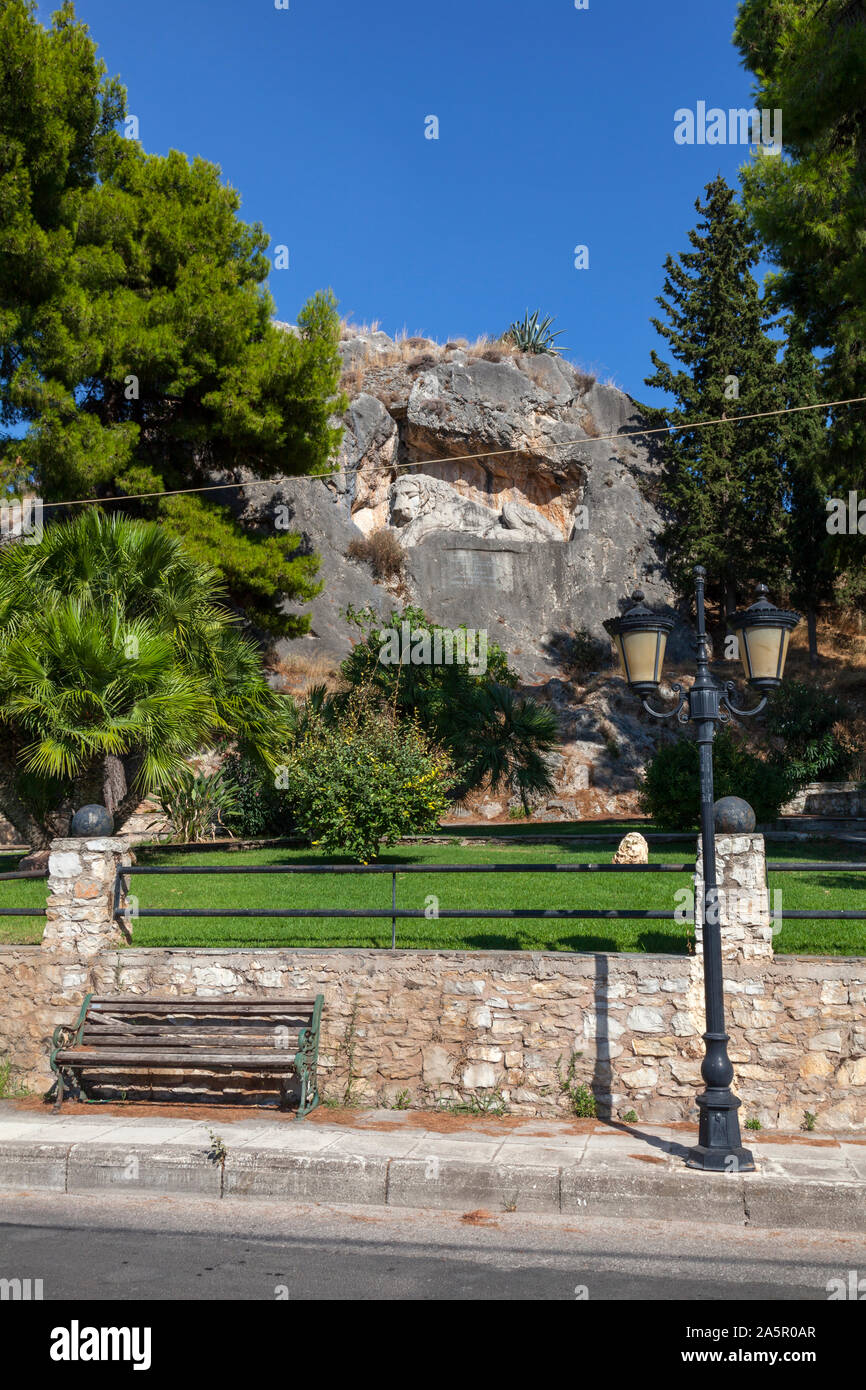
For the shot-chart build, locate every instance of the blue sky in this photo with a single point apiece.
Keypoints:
(555, 130)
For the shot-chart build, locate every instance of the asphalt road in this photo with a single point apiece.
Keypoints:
(168, 1248)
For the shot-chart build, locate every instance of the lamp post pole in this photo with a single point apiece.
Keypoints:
(719, 1146)
(640, 637)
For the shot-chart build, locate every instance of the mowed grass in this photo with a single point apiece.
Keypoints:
(21, 894)
(544, 890)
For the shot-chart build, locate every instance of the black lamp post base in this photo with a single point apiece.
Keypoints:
(719, 1148)
(721, 1160)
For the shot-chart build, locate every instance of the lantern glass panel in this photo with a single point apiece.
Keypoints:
(644, 655)
(761, 654)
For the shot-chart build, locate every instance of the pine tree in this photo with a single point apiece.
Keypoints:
(722, 484)
(137, 347)
(804, 456)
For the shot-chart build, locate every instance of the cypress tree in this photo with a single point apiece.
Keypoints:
(810, 208)
(804, 446)
(722, 485)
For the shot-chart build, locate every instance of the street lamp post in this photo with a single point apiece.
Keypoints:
(640, 637)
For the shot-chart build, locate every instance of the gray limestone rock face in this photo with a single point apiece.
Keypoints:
(366, 461)
(529, 522)
(357, 351)
(524, 591)
(319, 514)
(546, 528)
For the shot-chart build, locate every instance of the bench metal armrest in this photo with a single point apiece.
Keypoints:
(63, 1036)
(307, 1060)
(68, 1034)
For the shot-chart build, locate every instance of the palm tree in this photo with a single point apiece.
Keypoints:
(503, 738)
(118, 661)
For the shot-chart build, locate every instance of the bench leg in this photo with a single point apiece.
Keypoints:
(311, 1103)
(309, 1088)
(58, 1092)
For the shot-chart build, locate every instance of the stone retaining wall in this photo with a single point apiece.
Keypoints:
(838, 799)
(450, 1025)
(458, 1026)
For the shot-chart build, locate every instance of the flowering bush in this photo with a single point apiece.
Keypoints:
(364, 781)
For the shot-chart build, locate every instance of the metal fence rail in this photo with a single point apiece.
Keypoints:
(23, 912)
(395, 913)
(835, 866)
(790, 866)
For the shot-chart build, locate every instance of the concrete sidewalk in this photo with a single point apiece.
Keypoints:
(409, 1159)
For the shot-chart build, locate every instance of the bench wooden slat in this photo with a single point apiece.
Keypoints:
(204, 1030)
(275, 1060)
(177, 1019)
(227, 1001)
(186, 1006)
(222, 1041)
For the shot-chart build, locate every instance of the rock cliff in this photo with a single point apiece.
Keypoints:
(523, 504)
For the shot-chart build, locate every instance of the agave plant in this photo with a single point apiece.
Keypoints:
(532, 336)
(195, 803)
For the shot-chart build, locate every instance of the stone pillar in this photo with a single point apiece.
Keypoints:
(744, 906)
(79, 920)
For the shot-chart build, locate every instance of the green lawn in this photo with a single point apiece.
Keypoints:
(20, 893)
(488, 891)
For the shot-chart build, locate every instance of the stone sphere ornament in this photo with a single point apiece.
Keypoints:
(733, 816)
(92, 821)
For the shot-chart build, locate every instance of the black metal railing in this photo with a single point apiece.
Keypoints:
(23, 911)
(395, 913)
(793, 866)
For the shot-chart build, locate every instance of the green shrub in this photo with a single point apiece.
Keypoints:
(364, 780)
(259, 808)
(807, 720)
(493, 735)
(670, 793)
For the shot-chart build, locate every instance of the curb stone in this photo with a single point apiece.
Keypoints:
(446, 1183)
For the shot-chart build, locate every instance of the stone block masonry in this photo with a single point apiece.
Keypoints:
(741, 875)
(80, 918)
(450, 1026)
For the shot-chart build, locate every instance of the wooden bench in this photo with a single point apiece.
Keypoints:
(128, 1032)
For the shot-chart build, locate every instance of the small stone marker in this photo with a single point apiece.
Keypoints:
(632, 849)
